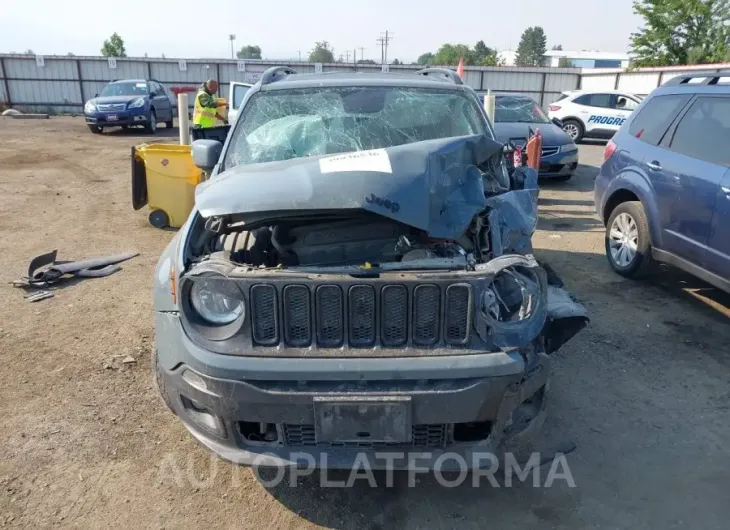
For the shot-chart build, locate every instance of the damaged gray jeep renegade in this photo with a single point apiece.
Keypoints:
(357, 277)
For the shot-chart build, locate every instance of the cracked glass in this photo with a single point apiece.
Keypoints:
(286, 124)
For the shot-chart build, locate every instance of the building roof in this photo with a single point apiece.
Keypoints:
(587, 54)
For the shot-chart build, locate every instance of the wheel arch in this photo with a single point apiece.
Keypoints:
(631, 186)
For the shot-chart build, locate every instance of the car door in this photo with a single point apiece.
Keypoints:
(624, 106)
(689, 162)
(599, 114)
(235, 99)
(162, 102)
(718, 247)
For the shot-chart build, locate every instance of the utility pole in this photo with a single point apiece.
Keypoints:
(362, 53)
(232, 37)
(300, 55)
(384, 40)
(347, 56)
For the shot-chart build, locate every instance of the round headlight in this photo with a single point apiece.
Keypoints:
(218, 301)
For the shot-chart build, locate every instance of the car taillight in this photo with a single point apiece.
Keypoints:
(554, 108)
(610, 149)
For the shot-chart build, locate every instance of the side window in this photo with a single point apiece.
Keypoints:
(653, 120)
(238, 92)
(154, 87)
(626, 103)
(704, 131)
(594, 100)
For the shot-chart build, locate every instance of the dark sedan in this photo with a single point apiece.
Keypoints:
(143, 102)
(516, 115)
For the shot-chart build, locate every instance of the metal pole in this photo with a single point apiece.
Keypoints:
(542, 89)
(81, 81)
(490, 104)
(5, 82)
(183, 124)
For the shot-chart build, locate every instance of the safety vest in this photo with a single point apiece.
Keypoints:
(203, 116)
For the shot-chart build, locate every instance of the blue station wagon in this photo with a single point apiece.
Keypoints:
(663, 191)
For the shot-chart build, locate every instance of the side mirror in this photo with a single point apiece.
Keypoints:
(96, 95)
(557, 122)
(206, 153)
(153, 94)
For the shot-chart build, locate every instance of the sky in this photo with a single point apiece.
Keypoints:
(285, 28)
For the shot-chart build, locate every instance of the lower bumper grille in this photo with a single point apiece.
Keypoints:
(422, 435)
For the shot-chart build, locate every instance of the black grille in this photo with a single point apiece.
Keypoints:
(362, 315)
(457, 314)
(426, 309)
(394, 315)
(330, 332)
(297, 316)
(422, 435)
(264, 314)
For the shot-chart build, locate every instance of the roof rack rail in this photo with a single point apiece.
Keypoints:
(268, 75)
(709, 78)
(444, 72)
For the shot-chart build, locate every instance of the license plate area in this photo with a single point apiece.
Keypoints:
(362, 419)
(112, 117)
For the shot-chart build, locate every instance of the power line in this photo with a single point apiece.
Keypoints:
(384, 40)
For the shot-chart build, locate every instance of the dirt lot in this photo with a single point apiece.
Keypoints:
(644, 391)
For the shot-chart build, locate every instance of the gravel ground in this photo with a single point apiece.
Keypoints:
(643, 392)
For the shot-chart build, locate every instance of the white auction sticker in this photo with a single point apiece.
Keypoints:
(376, 160)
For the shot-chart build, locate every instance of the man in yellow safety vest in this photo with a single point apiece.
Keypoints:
(205, 111)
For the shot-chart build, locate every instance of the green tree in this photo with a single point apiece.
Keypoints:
(28, 52)
(322, 53)
(680, 32)
(449, 54)
(532, 47)
(426, 58)
(114, 46)
(249, 52)
(563, 62)
(365, 61)
(558, 47)
(396, 62)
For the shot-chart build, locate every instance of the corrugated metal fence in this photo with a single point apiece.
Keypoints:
(61, 84)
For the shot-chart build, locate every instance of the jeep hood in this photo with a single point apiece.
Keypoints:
(395, 182)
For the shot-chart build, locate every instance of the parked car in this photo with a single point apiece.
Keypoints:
(236, 94)
(514, 117)
(663, 191)
(129, 102)
(587, 114)
(357, 273)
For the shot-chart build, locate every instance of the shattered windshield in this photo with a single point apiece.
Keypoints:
(285, 124)
(518, 110)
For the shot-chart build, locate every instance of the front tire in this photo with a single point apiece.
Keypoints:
(151, 126)
(628, 240)
(574, 129)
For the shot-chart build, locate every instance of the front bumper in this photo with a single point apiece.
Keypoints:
(470, 405)
(559, 164)
(125, 117)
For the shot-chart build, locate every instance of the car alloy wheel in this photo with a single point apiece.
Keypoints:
(571, 129)
(623, 240)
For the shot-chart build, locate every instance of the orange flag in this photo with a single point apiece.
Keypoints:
(460, 68)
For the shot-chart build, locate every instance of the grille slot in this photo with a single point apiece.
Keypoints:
(426, 315)
(394, 315)
(362, 315)
(264, 315)
(548, 151)
(330, 329)
(457, 313)
(422, 435)
(297, 316)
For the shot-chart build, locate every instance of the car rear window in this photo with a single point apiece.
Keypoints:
(654, 119)
(704, 131)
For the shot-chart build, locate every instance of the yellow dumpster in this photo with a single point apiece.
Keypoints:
(164, 176)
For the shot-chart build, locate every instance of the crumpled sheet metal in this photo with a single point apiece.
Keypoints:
(433, 185)
(513, 215)
(45, 270)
